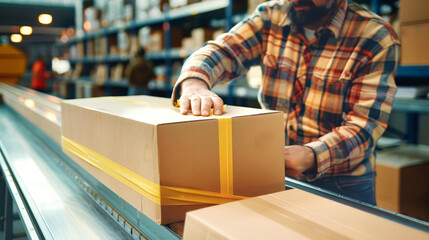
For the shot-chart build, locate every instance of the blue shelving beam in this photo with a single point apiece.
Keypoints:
(183, 12)
(413, 72)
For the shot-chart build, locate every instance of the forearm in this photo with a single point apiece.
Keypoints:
(226, 58)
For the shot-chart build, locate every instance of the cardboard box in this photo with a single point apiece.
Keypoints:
(414, 11)
(152, 140)
(62, 89)
(414, 47)
(292, 214)
(101, 73)
(115, 11)
(188, 43)
(90, 48)
(77, 71)
(177, 3)
(144, 37)
(87, 90)
(80, 50)
(402, 182)
(201, 35)
(217, 33)
(134, 45)
(123, 42)
(100, 46)
(117, 72)
(128, 12)
(141, 10)
(156, 40)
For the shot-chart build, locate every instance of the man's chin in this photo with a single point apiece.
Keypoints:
(305, 18)
(302, 22)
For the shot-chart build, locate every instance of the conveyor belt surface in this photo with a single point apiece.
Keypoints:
(60, 207)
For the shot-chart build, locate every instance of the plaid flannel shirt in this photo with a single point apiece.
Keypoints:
(336, 91)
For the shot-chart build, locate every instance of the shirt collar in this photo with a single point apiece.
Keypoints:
(334, 26)
(337, 20)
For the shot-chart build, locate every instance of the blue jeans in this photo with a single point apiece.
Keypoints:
(361, 187)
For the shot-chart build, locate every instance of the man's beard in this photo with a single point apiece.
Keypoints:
(310, 16)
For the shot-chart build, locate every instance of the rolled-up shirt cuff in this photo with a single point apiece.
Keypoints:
(323, 159)
(184, 76)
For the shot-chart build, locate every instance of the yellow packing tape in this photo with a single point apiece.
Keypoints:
(225, 155)
(161, 195)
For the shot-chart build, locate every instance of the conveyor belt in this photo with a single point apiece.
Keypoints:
(57, 199)
(60, 199)
(58, 206)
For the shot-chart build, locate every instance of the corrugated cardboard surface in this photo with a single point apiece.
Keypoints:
(291, 214)
(402, 182)
(174, 150)
(414, 11)
(414, 47)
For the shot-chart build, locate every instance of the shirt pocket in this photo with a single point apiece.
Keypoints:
(325, 97)
(276, 84)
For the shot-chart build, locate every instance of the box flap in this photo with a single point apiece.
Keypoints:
(143, 109)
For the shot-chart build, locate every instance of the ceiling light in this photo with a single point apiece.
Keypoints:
(26, 30)
(45, 18)
(16, 38)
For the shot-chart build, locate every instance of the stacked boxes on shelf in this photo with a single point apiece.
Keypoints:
(102, 55)
(148, 9)
(91, 19)
(414, 19)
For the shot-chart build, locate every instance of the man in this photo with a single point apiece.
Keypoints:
(139, 73)
(328, 65)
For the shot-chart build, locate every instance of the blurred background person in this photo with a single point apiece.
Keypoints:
(39, 76)
(139, 73)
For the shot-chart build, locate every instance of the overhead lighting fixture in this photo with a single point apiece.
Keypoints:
(45, 18)
(26, 30)
(16, 38)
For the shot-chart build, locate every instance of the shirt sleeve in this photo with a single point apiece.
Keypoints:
(228, 57)
(368, 108)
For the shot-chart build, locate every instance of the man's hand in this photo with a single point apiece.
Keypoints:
(197, 97)
(298, 159)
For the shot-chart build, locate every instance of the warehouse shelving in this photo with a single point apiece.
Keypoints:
(413, 72)
(221, 9)
(183, 12)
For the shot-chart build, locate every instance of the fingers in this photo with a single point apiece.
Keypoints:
(217, 105)
(185, 105)
(196, 106)
(201, 104)
(206, 105)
